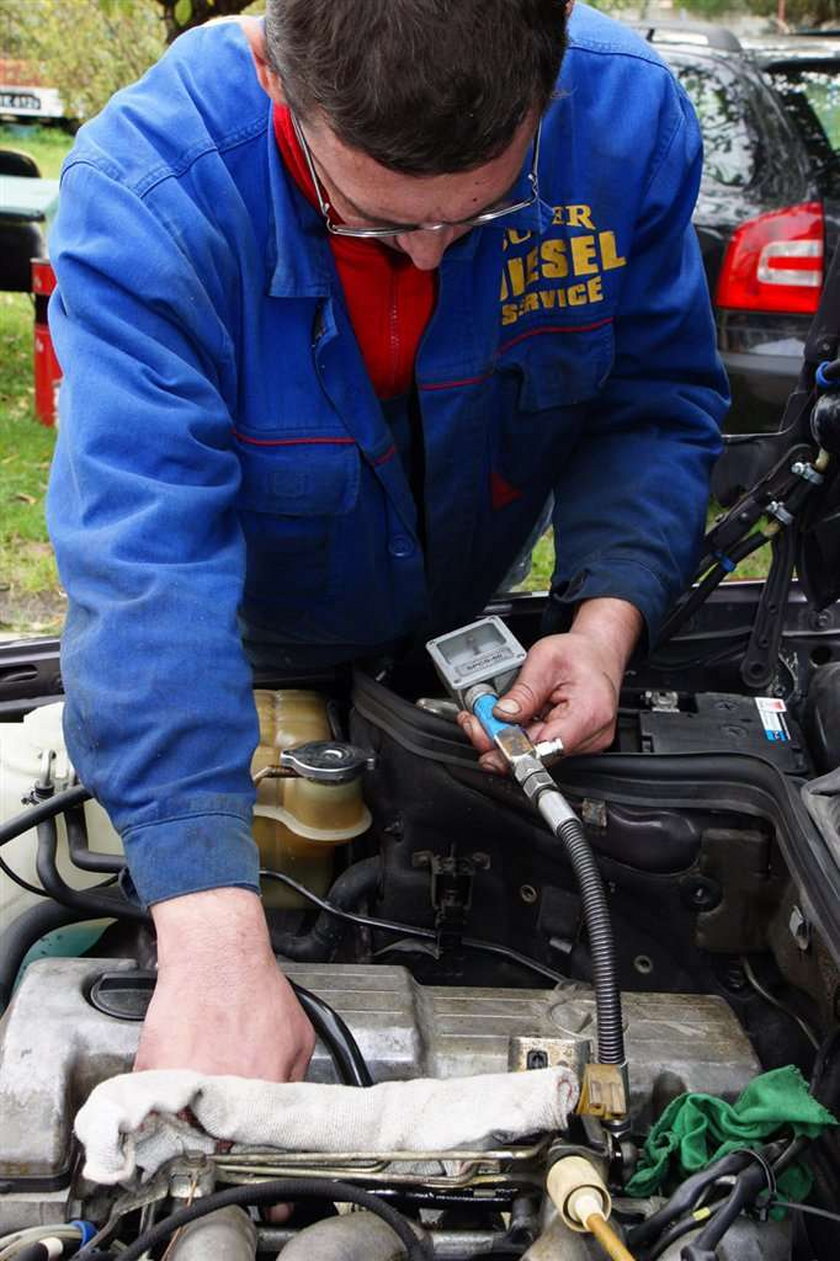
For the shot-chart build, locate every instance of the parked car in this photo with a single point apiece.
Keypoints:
(768, 214)
(22, 219)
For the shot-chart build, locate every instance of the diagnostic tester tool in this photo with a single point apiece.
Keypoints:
(476, 663)
(484, 652)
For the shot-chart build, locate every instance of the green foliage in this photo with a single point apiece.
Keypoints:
(180, 15)
(88, 49)
(29, 592)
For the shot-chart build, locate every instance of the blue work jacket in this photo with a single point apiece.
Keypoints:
(222, 454)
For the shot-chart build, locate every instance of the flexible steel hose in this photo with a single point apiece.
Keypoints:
(601, 946)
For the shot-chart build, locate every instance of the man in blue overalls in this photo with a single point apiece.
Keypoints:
(343, 298)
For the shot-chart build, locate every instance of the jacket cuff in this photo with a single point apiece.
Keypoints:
(630, 581)
(172, 857)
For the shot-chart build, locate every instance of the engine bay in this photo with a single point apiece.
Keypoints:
(438, 929)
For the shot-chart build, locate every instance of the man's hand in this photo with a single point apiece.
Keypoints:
(221, 1004)
(568, 685)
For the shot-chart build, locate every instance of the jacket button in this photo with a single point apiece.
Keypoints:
(401, 545)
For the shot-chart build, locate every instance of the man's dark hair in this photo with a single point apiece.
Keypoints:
(425, 87)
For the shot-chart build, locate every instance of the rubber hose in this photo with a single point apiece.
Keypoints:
(20, 823)
(747, 1186)
(319, 944)
(81, 854)
(685, 1197)
(276, 1191)
(33, 1252)
(95, 905)
(23, 932)
(349, 1062)
(601, 946)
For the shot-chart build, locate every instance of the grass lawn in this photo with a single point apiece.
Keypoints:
(47, 145)
(542, 562)
(30, 595)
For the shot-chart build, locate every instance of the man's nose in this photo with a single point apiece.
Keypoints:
(426, 249)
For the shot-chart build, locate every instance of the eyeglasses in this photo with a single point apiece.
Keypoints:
(398, 229)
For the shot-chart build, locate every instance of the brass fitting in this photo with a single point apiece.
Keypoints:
(603, 1092)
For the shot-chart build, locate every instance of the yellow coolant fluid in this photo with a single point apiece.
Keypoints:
(298, 823)
(22, 749)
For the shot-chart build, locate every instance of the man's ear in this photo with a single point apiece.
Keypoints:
(269, 80)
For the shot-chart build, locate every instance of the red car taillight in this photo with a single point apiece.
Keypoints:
(775, 262)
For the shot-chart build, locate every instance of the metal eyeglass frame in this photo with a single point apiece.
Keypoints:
(398, 229)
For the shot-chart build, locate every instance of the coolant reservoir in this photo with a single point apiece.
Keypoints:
(22, 748)
(297, 823)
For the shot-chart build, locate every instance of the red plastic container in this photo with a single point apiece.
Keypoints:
(46, 369)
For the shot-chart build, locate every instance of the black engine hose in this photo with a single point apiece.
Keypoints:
(94, 905)
(825, 1075)
(318, 945)
(34, 1252)
(685, 1197)
(81, 855)
(601, 945)
(22, 934)
(20, 823)
(273, 1192)
(748, 1185)
(344, 1050)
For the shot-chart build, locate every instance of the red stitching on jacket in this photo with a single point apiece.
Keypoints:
(451, 385)
(554, 328)
(293, 442)
(534, 332)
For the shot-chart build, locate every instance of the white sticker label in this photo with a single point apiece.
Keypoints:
(772, 712)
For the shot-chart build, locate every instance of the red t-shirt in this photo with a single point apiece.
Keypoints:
(389, 300)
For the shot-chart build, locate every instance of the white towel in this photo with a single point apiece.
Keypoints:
(130, 1121)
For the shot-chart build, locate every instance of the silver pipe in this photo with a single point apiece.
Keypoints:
(347, 1243)
(557, 1242)
(350, 1237)
(227, 1234)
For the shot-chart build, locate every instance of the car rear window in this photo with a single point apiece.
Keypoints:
(810, 93)
(819, 85)
(731, 137)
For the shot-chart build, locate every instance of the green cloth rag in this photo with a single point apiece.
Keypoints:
(696, 1129)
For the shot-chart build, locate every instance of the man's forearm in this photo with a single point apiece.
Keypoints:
(218, 929)
(615, 624)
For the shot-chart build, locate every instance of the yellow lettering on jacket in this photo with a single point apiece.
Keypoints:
(584, 255)
(582, 294)
(610, 256)
(555, 264)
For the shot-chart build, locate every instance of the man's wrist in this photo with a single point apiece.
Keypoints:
(614, 624)
(216, 929)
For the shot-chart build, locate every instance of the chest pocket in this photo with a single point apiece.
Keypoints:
(294, 501)
(303, 478)
(559, 367)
